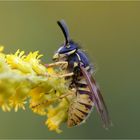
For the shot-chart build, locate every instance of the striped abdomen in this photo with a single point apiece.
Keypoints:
(81, 104)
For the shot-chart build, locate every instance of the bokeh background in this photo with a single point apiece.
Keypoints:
(108, 31)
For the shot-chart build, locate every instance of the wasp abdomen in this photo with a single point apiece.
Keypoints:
(81, 106)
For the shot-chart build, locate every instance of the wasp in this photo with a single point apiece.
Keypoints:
(79, 70)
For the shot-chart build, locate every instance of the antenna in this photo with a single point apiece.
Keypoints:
(65, 30)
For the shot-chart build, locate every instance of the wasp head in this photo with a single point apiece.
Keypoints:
(68, 48)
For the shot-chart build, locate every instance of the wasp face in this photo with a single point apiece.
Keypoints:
(65, 51)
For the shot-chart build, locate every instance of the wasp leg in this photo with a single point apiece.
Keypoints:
(45, 103)
(69, 96)
(71, 93)
(65, 95)
(62, 64)
(67, 75)
(49, 102)
(37, 105)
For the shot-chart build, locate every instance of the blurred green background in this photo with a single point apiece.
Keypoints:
(108, 31)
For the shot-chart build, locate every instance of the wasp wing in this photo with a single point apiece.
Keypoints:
(97, 97)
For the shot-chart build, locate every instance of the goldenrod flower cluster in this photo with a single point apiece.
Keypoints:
(23, 79)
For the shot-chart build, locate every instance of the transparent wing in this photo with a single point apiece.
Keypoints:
(97, 97)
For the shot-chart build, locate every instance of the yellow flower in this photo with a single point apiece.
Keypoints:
(6, 91)
(54, 122)
(41, 98)
(5, 107)
(34, 60)
(2, 55)
(16, 61)
(1, 48)
(16, 103)
(23, 78)
(57, 115)
(3, 65)
(18, 100)
(37, 100)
